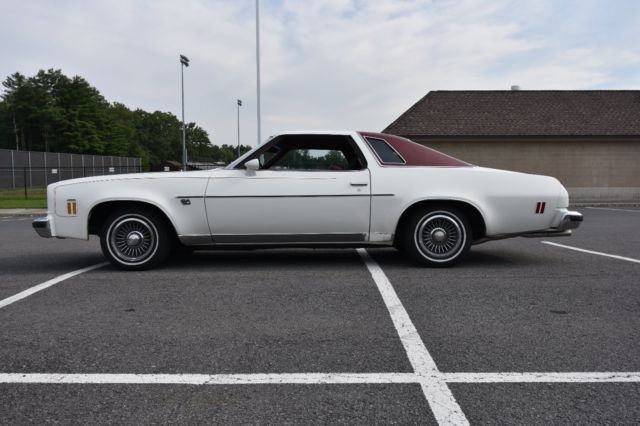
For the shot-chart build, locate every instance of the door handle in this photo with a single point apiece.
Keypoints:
(359, 183)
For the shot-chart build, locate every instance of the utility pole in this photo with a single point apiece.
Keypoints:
(258, 64)
(15, 130)
(239, 105)
(184, 62)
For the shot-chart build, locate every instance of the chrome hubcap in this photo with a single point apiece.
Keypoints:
(440, 236)
(132, 239)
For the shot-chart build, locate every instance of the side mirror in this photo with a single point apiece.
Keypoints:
(252, 165)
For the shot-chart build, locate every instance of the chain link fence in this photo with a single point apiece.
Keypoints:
(20, 169)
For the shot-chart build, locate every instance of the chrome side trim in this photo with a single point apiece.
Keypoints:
(288, 238)
(299, 196)
(249, 239)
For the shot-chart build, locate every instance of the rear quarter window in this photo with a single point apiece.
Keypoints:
(398, 151)
(384, 151)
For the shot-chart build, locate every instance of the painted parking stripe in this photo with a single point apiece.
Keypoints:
(442, 402)
(28, 292)
(605, 377)
(613, 256)
(612, 209)
(211, 379)
(314, 378)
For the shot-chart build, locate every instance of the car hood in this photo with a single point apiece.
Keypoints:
(136, 176)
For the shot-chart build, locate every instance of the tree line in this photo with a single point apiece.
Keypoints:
(56, 113)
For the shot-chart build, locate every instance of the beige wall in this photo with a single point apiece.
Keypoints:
(595, 170)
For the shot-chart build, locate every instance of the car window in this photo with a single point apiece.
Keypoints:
(384, 151)
(267, 156)
(309, 152)
(311, 159)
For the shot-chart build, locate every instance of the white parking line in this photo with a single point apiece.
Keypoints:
(212, 379)
(433, 382)
(28, 292)
(613, 256)
(3, 220)
(612, 209)
(442, 402)
(606, 377)
(315, 378)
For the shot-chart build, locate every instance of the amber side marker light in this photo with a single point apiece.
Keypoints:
(72, 207)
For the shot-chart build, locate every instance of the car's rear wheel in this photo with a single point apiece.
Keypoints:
(135, 239)
(437, 236)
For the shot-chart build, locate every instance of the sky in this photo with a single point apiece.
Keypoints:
(325, 64)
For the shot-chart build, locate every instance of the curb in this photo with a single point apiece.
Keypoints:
(22, 212)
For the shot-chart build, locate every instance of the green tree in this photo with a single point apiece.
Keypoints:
(53, 112)
(16, 103)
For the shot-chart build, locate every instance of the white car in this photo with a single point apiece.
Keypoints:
(311, 189)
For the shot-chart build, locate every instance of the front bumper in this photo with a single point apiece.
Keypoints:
(42, 225)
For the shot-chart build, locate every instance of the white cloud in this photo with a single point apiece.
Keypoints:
(330, 63)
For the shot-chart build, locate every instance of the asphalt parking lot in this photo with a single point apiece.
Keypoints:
(523, 332)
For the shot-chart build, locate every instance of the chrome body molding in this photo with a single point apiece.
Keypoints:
(297, 196)
(271, 239)
(288, 238)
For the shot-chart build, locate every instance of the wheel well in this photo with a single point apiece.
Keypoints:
(100, 212)
(472, 214)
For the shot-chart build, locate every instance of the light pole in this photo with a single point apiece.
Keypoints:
(258, 63)
(184, 62)
(239, 105)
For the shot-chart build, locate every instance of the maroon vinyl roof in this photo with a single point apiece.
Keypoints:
(415, 154)
(563, 113)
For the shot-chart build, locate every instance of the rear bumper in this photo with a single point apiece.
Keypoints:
(568, 220)
(42, 225)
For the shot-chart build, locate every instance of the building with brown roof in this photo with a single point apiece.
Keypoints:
(588, 139)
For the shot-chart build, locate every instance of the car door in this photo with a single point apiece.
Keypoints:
(286, 204)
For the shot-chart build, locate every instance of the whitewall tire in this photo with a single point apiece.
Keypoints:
(135, 239)
(438, 236)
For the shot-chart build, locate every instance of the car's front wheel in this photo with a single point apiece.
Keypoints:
(135, 239)
(437, 236)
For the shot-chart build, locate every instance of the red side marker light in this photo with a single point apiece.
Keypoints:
(540, 205)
